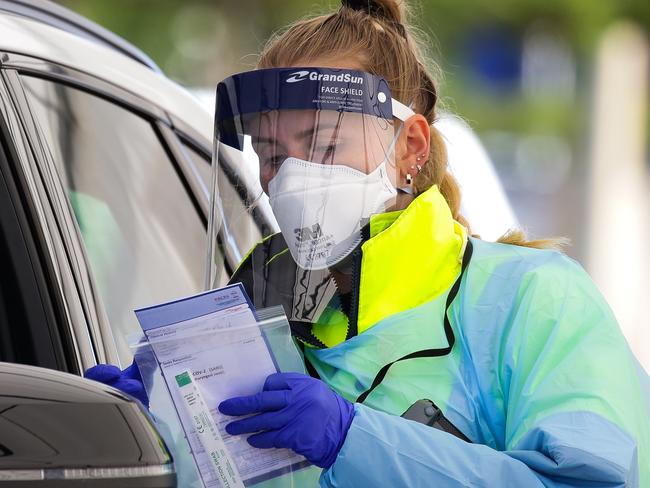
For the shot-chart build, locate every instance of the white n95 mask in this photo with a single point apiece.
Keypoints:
(294, 135)
(321, 208)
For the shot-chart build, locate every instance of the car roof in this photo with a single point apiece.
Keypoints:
(22, 35)
(62, 18)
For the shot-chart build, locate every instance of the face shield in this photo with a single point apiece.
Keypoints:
(303, 158)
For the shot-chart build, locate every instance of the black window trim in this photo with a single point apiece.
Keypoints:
(184, 144)
(42, 254)
(191, 137)
(27, 302)
(79, 290)
(31, 66)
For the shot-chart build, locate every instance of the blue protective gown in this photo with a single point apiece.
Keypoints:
(540, 378)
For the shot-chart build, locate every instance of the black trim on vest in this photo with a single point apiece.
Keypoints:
(303, 332)
(449, 333)
(440, 422)
(353, 312)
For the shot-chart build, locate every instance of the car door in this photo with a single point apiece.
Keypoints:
(127, 207)
(30, 313)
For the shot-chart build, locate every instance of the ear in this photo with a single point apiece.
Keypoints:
(413, 147)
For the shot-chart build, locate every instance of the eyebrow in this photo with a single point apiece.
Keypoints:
(303, 134)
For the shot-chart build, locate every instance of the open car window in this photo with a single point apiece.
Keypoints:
(144, 239)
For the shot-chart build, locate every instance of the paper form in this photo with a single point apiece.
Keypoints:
(208, 433)
(233, 361)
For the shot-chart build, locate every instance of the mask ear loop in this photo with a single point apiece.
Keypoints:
(403, 113)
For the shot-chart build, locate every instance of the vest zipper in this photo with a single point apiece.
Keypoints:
(353, 329)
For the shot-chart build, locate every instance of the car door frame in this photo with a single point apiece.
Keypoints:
(85, 315)
(32, 302)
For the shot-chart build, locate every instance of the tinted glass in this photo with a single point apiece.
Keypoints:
(143, 237)
(243, 233)
(201, 164)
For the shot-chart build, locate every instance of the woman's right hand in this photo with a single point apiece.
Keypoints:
(128, 381)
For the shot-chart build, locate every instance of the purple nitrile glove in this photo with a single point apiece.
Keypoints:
(128, 381)
(294, 411)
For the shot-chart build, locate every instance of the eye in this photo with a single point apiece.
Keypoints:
(327, 151)
(274, 162)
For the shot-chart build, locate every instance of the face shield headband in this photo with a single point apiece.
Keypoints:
(324, 140)
(279, 89)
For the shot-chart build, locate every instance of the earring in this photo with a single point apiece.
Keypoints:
(409, 178)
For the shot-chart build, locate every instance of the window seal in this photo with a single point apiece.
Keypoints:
(184, 167)
(42, 280)
(39, 68)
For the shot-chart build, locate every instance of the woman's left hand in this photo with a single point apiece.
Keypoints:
(293, 411)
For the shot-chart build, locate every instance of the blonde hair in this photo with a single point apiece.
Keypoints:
(377, 34)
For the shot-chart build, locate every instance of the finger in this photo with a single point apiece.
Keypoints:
(282, 381)
(104, 373)
(257, 423)
(265, 440)
(132, 372)
(264, 401)
(134, 388)
(129, 386)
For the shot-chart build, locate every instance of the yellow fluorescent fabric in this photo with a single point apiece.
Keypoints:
(407, 263)
(332, 327)
(381, 222)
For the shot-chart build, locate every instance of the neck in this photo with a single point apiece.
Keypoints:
(402, 200)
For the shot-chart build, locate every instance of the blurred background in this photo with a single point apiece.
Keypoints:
(557, 91)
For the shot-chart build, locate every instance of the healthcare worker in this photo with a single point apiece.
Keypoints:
(436, 358)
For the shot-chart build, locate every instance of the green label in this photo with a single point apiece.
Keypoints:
(183, 379)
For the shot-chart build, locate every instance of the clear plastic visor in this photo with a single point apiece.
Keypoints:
(299, 168)
(341, 139)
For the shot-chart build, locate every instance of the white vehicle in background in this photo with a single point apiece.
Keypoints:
(484, 202)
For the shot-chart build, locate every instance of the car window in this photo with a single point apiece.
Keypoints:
(201, 164)
(143, 237)
(244, 226)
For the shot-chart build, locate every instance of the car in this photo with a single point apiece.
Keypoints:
(83, 238)
(57, 430)
(105, 171)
